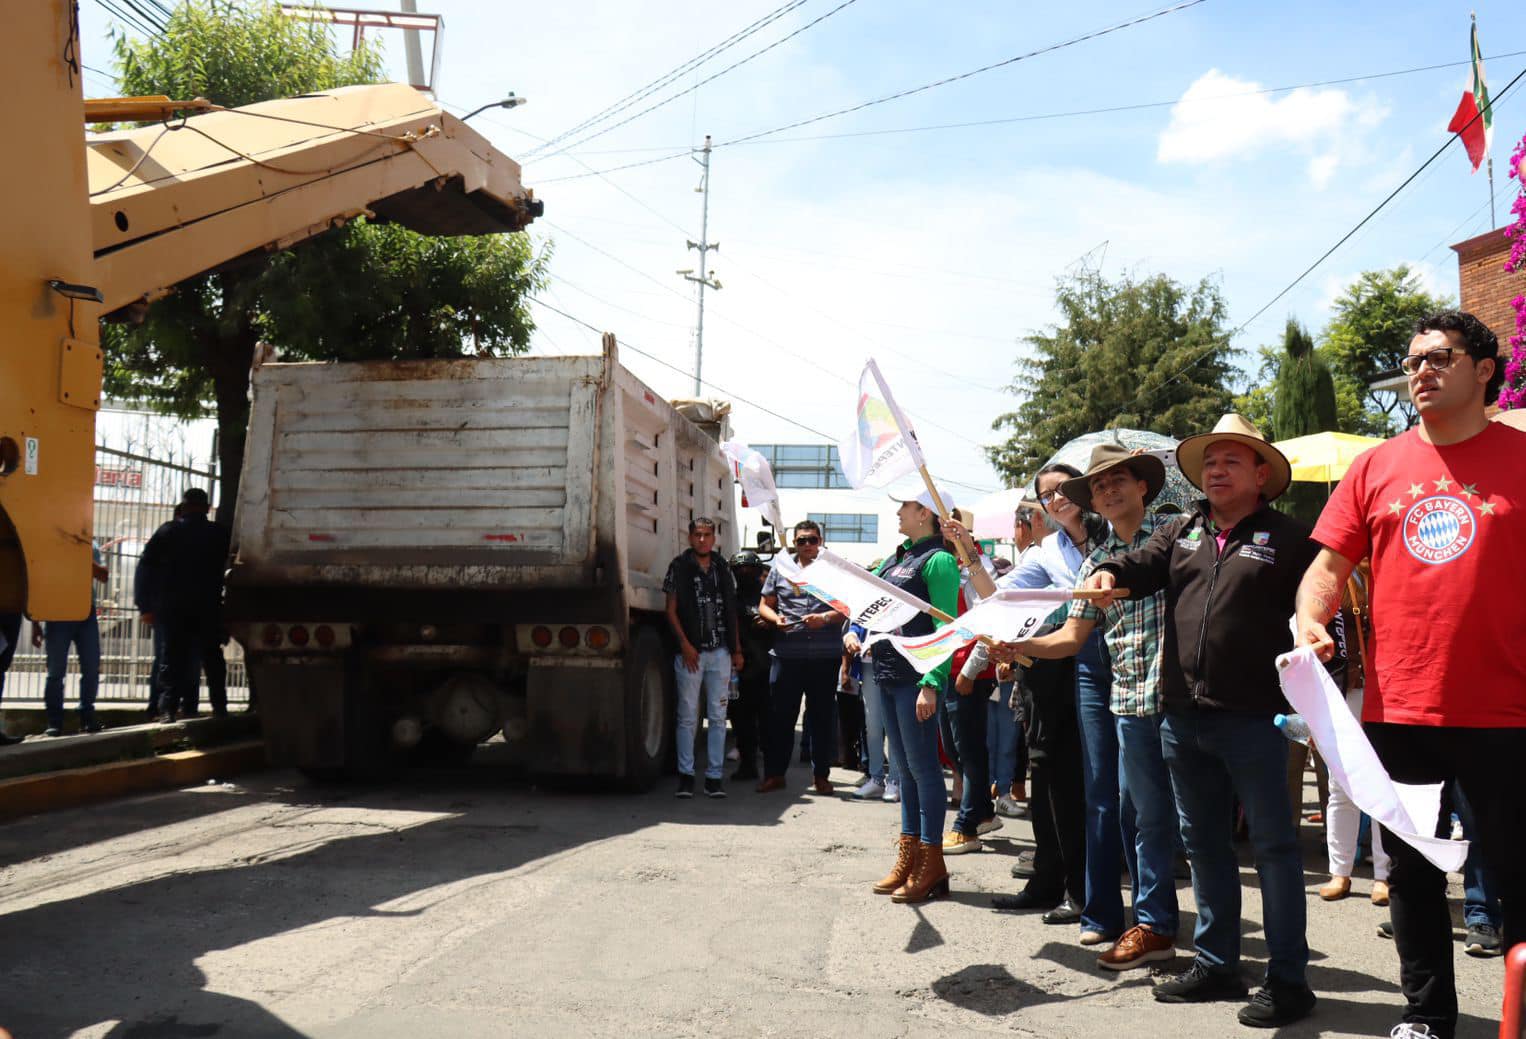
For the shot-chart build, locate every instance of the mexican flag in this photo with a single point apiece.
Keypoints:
(1474, 119)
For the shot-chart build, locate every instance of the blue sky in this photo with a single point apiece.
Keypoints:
(937, 251)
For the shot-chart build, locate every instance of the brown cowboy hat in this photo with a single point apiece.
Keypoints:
(1110, 456)
(1189, 454)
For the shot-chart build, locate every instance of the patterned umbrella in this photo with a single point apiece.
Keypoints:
(1176, 495)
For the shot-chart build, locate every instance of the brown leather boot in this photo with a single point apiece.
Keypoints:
(929, 878)
(905, 860)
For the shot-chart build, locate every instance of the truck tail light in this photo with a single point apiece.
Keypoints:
(569, 637)
(541, 636)
(597, 637)
(270, 635)
(324, 636)
(297, 635)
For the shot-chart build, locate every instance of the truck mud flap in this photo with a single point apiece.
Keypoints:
(302, 711)
(576, 717)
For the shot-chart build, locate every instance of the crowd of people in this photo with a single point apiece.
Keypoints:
(177, 590)
(1137, 725)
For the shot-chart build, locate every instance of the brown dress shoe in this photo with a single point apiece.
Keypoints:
(770, 784)
(821, 784)
(905, 859)
(1138, 946)
(929, 877)
(1335, 889)
(1380, 892)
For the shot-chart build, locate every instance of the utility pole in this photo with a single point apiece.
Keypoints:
(704, 280)
(412, 47)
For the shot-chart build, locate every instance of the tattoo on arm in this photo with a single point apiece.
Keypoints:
(1320, 594)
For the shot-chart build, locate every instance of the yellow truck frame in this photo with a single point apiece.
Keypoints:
(103, 224)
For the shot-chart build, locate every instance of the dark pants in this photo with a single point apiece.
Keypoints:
(749, 717)
(10, 631)
(157, 674)
(968, 717)
(1483, 762)
(815, 679)
(1056, 802)
(850, 728)
(191, 644)
(1214, 757)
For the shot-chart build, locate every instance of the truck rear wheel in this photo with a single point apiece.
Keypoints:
(650, 700)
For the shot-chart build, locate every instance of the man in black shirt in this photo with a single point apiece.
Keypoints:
(702, 612)
(185, 562)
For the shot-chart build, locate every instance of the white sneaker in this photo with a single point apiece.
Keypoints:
(988, 826)
(869, 791)
(1405, 1030)
(1010, 808)
(733, 755)
(892, 792)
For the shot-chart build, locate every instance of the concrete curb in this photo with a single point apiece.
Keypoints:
(51, 791)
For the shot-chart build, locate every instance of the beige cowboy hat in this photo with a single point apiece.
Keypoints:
(1110, 456)
(1189, 454)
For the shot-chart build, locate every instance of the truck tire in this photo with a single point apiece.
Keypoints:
(650, 701)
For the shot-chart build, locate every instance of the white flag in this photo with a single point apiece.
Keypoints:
(869, 600)
(1409, 812)
(1008, 616)
(882, 447)
(757, 479)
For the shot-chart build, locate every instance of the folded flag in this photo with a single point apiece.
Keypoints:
(1008, 616)
(866, 598)
(882, 447)
(757, 479)
(1410, 812)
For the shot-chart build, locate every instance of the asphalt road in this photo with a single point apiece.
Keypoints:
(464, 904)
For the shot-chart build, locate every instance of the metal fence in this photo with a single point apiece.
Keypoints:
(134, 495)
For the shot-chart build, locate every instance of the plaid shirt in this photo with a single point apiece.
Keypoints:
(1134, 630)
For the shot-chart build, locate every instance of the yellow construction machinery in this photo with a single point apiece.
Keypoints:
(100, 224)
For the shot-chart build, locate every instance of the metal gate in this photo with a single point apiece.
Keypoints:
(134, 496)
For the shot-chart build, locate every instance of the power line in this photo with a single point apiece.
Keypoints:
(640, 93)
(125, 18)
(713, 76)
(1340, 242)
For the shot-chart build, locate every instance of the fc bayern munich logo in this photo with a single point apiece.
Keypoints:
(1439, 529)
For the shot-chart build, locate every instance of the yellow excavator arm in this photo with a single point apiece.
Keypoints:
(101, 222)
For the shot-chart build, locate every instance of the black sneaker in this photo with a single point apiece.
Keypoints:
(7, 740)
(1482, 940)
(685, 786)
(92, 727)
(1201, 984)
(1386, 930)
(1276, 1004)
(713, 788)
(52, 730)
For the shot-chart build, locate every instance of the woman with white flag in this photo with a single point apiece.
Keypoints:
(921, 567)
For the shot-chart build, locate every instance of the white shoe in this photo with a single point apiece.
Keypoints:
(892, 792)
(1405, 1030)
(872, 789)
(988, 826)
(733, 755)
(1010, 808)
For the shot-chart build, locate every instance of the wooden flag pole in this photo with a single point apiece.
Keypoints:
(942, 510)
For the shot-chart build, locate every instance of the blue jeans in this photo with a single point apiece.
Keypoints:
(914, 761)
(1110, 836)
(874, 724)
(1148, 782)
(1002, 734)
(967, 717)
(85, 637)
(714, 676)
(1214, 756)
(1480, 900)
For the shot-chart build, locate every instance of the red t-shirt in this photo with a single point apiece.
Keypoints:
(1446, 529)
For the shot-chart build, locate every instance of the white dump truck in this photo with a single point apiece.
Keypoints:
(427, 553)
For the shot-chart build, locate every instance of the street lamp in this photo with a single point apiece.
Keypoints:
(509, 102)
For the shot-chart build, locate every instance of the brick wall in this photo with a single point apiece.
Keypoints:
(1486, 290)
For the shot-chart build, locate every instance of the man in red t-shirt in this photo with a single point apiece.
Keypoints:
(1441, 509)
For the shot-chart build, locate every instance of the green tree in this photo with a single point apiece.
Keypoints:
(1137, 353)
(1303, 402)
(364, 291)
(1369, 332)
(1255, 404)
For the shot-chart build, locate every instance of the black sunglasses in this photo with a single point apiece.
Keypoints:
(807, 539)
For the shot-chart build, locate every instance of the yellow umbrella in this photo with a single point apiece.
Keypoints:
(1324, 457)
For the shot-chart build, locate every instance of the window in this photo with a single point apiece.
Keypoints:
(855, 527)
(813, 466)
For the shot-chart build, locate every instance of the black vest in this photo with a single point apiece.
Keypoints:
(904, 570)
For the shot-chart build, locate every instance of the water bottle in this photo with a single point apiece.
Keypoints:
(734, 690)
(1293, 727)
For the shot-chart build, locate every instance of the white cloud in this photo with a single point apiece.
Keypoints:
(1221, 117)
